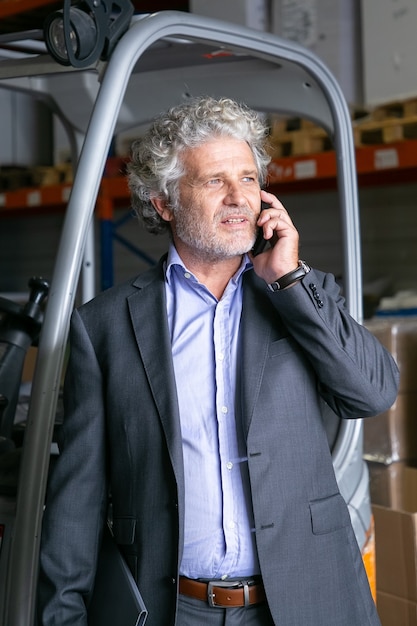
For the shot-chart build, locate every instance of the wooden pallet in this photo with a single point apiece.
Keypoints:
(44, 176)
(18, 177)
(395, 121)
(295, 137)
(386, 131)
(14, 177)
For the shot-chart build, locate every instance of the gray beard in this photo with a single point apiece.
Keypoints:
(209, 246)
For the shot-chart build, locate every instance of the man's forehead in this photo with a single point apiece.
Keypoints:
(219, 155)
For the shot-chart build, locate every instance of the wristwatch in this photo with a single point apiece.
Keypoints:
(290, 278)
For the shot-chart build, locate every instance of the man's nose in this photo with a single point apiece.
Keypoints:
(235, 194)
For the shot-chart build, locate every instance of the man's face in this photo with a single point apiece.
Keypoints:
(219, 200)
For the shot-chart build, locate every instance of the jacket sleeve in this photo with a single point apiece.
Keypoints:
(76, 500)
(357, 375)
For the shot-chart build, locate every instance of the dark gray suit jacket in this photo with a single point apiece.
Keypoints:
(299, 349)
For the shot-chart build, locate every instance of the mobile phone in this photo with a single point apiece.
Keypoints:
(260, 243)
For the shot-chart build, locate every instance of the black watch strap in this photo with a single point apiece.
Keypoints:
(291, 277)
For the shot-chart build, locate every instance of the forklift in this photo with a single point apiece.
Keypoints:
(130, 68)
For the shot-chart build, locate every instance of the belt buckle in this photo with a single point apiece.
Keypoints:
(237, 584)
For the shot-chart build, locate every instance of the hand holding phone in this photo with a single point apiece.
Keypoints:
(260, 243)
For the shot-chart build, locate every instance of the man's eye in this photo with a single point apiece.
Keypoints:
(213, 181)
(248, 179)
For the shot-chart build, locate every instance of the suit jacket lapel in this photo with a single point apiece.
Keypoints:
(147, 309)
(255, 334)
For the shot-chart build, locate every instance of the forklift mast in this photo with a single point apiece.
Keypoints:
(160, 60)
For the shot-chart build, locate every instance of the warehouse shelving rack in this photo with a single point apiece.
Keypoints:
(391, 163)
(380, 163)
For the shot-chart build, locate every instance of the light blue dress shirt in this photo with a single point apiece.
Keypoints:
(219, 534)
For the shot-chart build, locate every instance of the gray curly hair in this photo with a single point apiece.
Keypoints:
(156, 165)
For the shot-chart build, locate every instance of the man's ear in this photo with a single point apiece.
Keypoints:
(162, 207)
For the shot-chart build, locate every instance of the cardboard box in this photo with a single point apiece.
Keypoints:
(392, 435)
(396, 543)
(394, 611)
(385, 483)
(399, 336)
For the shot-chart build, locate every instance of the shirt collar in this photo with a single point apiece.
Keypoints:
(174, 259)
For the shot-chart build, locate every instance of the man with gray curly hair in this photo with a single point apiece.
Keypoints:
(195, 394)
(156, 165)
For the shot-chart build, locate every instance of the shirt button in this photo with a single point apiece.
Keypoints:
(187, 275)
(221, 356)
(232, 524)
(224, 409)
(229, 465)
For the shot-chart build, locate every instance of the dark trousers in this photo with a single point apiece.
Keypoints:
(192, 612)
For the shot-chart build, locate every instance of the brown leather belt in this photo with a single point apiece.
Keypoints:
(222, 593)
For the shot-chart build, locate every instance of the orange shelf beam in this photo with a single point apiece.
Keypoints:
(35, 197)
(300, 168)
(392, 163)
(398, 155)
(374, 159)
